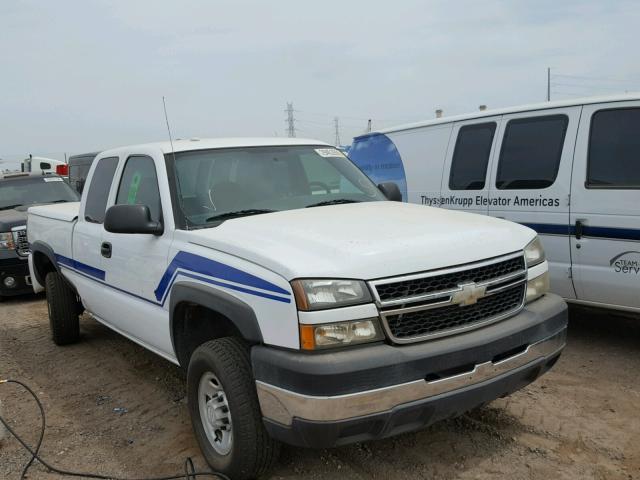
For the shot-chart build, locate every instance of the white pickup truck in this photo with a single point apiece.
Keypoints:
(305, 305)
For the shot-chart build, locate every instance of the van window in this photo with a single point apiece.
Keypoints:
(96, 203)
(139, 185)
(471, 156)
(531, 152)
(614, 149)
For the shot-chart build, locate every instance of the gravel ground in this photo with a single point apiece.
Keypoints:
(114, 408)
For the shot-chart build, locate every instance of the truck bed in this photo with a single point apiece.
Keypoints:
(53, 224)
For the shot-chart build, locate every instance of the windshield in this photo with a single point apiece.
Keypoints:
(214, 185)
(32, 190)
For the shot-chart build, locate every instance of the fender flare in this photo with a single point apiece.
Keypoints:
(47, 251)
(237, 311)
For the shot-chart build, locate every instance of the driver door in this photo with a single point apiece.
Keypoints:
(135, 263)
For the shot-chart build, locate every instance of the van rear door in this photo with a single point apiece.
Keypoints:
(530, 181)
(605, 205)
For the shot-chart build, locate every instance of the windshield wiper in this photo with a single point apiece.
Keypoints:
(337, 201)
(9, 207)
(239, 213)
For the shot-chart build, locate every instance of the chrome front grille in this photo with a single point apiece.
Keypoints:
(20, 239)
(445, 302)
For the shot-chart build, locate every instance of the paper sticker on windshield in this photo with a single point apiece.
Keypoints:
(329, 152)
(53, 179)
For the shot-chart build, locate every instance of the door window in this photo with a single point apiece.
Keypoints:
(98, 193)
(139, 185)
(471, 157)
(531, 152)
(614, 149)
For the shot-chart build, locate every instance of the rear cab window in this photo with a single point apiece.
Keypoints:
(531, 152)
(614, 149)
(97, 196)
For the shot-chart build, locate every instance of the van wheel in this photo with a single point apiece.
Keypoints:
(225, 412)
(63, 310)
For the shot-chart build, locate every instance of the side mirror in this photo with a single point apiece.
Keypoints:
(131, 219)
(391, 191)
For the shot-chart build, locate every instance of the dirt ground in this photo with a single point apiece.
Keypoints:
(116, 409)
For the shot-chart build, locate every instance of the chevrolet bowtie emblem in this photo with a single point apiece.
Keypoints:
(469, 294)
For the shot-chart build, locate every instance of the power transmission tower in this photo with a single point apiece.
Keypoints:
(336, 121)
(291, 125)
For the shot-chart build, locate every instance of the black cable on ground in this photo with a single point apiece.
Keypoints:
(189, 469)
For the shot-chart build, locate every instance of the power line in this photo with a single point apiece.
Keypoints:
(596, 87)
(365, 119)
(590, 78)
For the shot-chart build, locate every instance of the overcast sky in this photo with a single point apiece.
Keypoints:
(86, 75)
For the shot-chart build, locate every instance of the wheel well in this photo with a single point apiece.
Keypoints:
(42, 265)
(194, 325)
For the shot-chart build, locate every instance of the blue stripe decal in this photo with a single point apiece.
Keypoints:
(211, 268)
(113, 287)
(196, 267)
(549, 229)
(587, 231)
(81, 267)
(610, 232)
(235, 287)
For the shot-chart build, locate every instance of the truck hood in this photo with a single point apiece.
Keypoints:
(12, 218)
(364, 240)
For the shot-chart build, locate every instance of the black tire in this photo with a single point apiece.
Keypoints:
(63, 310)
(253, 452)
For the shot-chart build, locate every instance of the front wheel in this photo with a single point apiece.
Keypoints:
(225, 412)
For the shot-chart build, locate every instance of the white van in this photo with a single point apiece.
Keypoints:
(570, 170)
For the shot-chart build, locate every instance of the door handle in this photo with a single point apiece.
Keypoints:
(579, 228)
(105, 249)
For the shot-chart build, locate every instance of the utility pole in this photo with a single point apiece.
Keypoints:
(548, 84)
(291, 126)
(336, 121)
(369, 126)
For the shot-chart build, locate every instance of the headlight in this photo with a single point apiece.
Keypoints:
(315, 337)
(320, 294)
(537, 287)
(534, 253)
(6, 241)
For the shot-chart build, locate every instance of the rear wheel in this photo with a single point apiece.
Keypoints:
(225, 412)
(63, 310)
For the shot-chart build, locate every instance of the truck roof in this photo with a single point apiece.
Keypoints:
(181, 145)
(507, 110)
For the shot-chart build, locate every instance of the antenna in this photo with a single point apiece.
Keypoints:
(166, 118)
(173, 154)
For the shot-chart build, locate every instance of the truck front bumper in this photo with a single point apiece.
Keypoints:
(14, 277)
(376, 391)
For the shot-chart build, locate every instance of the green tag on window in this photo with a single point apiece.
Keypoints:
(133, 188)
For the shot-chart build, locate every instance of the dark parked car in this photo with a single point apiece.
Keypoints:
(18, 192)
(79, 166)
